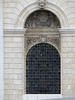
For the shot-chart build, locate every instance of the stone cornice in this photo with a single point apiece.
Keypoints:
(14, 32)
(67, 32)
(39, 31)
(32, 29)
(32, 32)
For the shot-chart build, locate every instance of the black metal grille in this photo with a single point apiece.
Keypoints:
(43, 70)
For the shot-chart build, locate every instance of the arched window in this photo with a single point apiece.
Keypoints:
(43, 73)
(42, 18)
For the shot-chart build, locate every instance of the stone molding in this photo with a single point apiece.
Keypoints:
(36, 35)
(42, 19)
(39, 35)
(67, 32)
(31, 31)
(33, 7)
(31, 41)
(39, 30)
(14, 32)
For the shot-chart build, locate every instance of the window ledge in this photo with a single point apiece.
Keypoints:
(41, 96)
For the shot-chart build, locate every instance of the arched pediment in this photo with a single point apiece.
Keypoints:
(42, 18)
(34, 7)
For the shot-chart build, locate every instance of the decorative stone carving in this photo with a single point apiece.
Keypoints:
(32, 40)
(55, 41)
(43, 38)
(42, 18)
(42, 3)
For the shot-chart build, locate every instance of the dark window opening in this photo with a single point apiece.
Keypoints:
(43, 73)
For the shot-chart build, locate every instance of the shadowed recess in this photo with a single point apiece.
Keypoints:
(43, 73)
(42, 18)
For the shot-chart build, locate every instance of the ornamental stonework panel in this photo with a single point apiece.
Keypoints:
(30, 41)
(42, 18)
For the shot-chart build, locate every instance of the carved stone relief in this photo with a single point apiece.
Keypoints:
(42, 18)
(32, 40)
(55, 41)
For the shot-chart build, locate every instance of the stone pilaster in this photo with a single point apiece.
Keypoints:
(68, 62)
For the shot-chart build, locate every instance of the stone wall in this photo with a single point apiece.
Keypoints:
(68, 63)
(13, 69)
(13, 8)
(14, 85)
(14, 47)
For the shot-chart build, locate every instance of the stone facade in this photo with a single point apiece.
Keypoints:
(16, 41)
(13, 70)
(13, 9)
(68, 63)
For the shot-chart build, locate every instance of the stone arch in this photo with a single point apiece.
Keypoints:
(33, 7)
(41, 19)
(50, 43)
